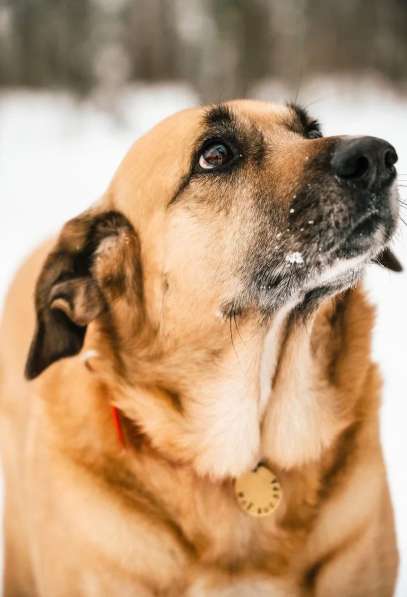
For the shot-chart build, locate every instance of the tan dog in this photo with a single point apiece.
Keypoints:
(218, 277)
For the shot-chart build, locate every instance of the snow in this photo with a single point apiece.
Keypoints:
(295, 257)
(57, 156)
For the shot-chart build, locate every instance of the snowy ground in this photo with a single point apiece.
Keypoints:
(57, 156)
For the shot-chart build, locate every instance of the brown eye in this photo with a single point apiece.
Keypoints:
(215, 156)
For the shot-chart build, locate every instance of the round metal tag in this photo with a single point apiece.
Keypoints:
(258, 492)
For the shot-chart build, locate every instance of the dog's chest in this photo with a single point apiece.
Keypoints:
(231, 552)
(244, 559)
(196, 536)
(251, 585)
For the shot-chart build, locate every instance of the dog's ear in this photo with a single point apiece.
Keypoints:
(69, 294)
(388, 259)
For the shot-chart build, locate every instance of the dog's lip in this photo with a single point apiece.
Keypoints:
(368, 217)
(372, 216)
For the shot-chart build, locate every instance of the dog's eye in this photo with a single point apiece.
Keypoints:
(215, 156)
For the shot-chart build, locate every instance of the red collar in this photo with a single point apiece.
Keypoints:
(117, 422)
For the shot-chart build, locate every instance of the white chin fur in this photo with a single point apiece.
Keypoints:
(340, 269)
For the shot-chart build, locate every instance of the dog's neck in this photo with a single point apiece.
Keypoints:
(273, 396)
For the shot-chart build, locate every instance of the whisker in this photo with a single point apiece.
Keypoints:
(231, 335)
(230, 315)
(235, 322)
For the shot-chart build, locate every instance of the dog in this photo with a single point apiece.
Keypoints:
(204, 415)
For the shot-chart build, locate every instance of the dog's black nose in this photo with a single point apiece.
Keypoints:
(367, 162)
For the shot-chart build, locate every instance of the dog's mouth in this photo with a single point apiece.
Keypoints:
(349, 223)
(361, 236)
(366, 226)
(370, 232)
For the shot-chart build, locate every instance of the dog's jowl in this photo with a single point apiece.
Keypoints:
(199, 410)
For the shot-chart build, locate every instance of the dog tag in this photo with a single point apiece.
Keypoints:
(258, 492)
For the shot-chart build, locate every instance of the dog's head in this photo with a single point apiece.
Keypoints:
(247, 206)
(228, 211)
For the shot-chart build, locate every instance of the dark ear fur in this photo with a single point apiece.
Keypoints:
(67, 296)
(388, 259)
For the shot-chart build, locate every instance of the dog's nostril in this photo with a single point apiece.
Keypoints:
(390, 158)
(356, 168)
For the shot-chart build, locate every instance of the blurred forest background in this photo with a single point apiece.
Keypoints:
(223, 48)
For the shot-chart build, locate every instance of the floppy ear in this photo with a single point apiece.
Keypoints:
(68, 296)
(388, 259)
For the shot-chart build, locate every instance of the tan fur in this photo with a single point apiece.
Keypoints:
(84, 516)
